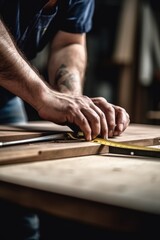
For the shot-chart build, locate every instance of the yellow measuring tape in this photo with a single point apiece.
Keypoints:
(127, 149)
(122, 148)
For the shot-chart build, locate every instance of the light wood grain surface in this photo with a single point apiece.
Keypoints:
(109, 191)
(142, 135)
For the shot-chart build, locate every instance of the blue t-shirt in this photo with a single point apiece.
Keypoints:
(33, 26)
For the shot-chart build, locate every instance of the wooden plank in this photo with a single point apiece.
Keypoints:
(33, 126)
(124, 47)
(142, 135)
(48, 151)
(113, 192)
(124, 54)
(29, 130)
(135, 133)
(153, 115)
(11, 134)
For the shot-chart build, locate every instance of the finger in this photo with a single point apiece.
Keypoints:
(103, 122)
(110, 116)
(78, 119)
(109, 112)
(85, 117)
(93, 120)
(122, 120)
(94, 116)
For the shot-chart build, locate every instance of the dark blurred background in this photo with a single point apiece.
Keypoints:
(123, 58)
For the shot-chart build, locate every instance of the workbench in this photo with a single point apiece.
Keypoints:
(109, 191)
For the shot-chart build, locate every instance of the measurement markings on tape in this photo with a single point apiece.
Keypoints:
(122, 148)
(127, 149)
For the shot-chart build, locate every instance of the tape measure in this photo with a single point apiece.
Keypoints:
(122, 148)
(127, 149)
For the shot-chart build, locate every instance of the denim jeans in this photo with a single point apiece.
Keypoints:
(16, 222)
(13, 112)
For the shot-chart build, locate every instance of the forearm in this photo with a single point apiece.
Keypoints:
(94, 117)
(67, 65)
(16, 75)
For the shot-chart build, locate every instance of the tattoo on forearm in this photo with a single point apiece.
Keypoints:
(64, 78)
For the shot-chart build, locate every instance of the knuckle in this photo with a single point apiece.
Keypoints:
(110, 109)
(96, 119)
(99, 100)
(71, 108)
(102, 115)
(86, 99)
(122, 110)
(83, 102)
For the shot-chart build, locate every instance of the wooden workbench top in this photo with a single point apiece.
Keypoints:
(130, 182)
(96, 189)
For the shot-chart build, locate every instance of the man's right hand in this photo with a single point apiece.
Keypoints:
(81, 111)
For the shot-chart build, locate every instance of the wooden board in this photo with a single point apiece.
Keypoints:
(120, 193)
(113, 192)
(142, 135)
(29, 130)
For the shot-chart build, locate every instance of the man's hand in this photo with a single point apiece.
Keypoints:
(117, 118)
(93, 116)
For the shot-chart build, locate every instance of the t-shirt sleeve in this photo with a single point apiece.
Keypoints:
(77, 16)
